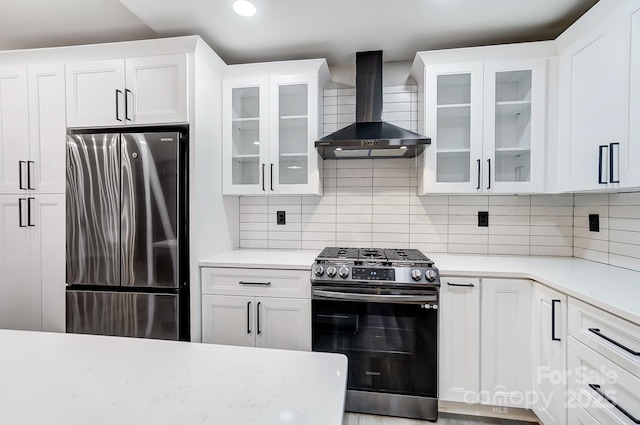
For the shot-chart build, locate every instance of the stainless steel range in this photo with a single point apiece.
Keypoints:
(379, 307)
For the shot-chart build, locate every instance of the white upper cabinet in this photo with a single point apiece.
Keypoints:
(138, 91)
(486, 118)
(32, 123)
(599, 147)
(272, 117)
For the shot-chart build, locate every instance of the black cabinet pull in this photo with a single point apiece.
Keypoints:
(597, 389)
(611, 145)
(462, 285)
(601, 149)
(614, 342)
(117, 105)
(271, 177)
(20, 164)
(248, 317)
(20, 223)
(242, 282)
(258, 317)
(489, 173)
(29, 223)
(263, 177)
(29, 163)
(478, 188)
(553, 320)
(126, 104)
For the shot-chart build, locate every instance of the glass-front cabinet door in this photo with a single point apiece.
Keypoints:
(514, 126)
(453, 102)
(294, 127)
(245, 136)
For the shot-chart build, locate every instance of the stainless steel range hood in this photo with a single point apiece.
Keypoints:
(369, 136)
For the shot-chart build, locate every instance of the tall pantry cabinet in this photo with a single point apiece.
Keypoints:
(32, 208)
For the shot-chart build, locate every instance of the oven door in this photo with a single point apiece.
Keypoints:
(390, 337)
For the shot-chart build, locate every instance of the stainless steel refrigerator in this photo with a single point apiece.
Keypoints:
(127, 234)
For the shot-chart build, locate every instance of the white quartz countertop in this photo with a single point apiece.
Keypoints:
(49, 378)
(613, 289)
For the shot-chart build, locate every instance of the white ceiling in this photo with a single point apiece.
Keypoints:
(290, 29)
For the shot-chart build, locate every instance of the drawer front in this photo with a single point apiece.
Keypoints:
(256, 282)
(613, 337)
(578, 416)
(605, 390)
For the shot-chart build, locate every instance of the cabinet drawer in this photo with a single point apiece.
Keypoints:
(605, 390)
(256, 282)
(578, 416)
(613, 337)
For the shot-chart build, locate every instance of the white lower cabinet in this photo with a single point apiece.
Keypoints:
(261, 308)
(257, 321)
(549, 355)
(505, 347)
(32, 262)
(578, 416)
(459, 346)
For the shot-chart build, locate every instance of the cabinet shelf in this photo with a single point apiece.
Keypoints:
(513, 108)
(245, 157)
(293, 155)
(246, 119)
(454, 152)
(512, 151)
(459, 110)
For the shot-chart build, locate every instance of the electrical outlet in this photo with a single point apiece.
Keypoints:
(483, 218)
(594, 222)
(281, 217)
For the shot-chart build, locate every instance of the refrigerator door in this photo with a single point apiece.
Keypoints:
(151, 193)
(93, 209)
(141, 315)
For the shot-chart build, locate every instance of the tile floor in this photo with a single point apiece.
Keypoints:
(444, 419)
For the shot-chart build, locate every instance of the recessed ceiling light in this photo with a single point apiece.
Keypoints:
(256, 143)
(244, 8)
(294, 167)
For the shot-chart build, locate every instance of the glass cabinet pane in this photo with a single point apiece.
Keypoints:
(453, 147)
(293, 133)
(246, 135)
(513, 126)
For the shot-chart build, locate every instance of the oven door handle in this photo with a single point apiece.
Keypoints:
(320, 294)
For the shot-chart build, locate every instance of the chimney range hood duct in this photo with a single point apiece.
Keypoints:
(369, 136)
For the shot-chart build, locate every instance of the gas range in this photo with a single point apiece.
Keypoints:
(406, 267)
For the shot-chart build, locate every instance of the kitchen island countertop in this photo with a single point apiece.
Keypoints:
(610, 288)
(49, 378)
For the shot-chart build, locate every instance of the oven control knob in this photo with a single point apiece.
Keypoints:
(416, 274)
(318, 270)
(344, 271)
(331, 271)
(430, 275)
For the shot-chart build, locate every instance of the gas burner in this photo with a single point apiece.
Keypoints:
(388, 266)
